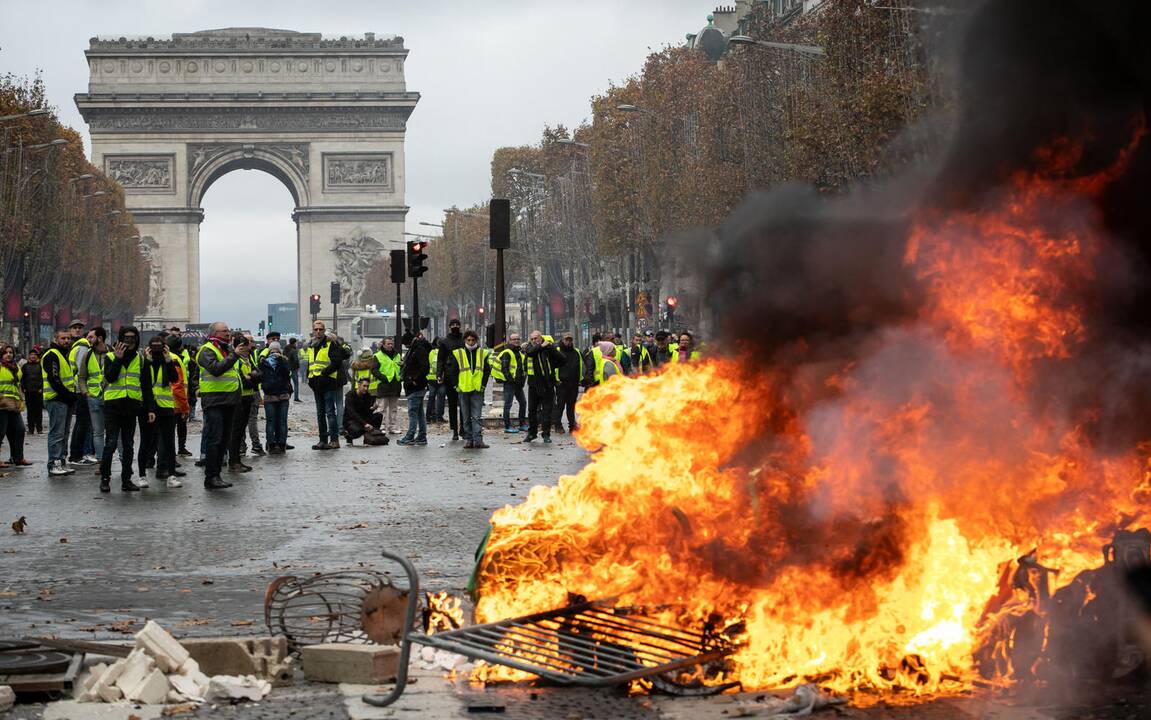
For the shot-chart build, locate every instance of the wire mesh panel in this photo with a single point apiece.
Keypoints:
(585, 644)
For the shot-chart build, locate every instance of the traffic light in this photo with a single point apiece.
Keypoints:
(335, 293)
(315, 303)
(269, 322)
(480, 312)
(399, 272)
(262, 326)
(26, 323)
(672, 304)
(416, 258)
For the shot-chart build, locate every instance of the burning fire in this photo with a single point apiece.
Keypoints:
(855, 518)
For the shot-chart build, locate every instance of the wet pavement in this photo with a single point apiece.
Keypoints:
(94, 565)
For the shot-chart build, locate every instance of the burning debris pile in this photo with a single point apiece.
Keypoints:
(924, 385)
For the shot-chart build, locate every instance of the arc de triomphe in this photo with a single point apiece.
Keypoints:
(326, 117)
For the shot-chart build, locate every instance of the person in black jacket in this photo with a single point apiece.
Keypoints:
(447, 373)
(326, 377)
(415, 379)
(32, 382)
(219, 399)
(567, 386)
(126, 398)
(543, 358)
(359, 411)
(276, 382)
(158, 438)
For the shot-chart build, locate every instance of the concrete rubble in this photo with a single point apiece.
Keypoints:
(160, 670)
(7, 698)
(345, 663)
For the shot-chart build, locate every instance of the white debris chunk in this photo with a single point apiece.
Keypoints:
(7, 698)
(231, 687)
(806, 700)
(164, 649)
(150, 690)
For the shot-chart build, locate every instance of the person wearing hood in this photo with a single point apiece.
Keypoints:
(447, 372)
(126, 398)
(569, 377)
(415, 377)
(276, 382)
(542, 359)
(158, 432)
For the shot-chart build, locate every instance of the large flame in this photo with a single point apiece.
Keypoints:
(854, 517)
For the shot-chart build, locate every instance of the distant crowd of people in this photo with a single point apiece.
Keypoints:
(98, 393)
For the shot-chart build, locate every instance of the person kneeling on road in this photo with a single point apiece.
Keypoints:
(360, 418)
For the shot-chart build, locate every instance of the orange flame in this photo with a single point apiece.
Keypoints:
(854, 518)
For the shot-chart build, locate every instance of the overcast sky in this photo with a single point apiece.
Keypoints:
(490, 73)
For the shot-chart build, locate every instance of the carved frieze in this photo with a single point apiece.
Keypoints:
(246, 119)
(346, 172)
(355, 255)
(294, 154)
(138, 173)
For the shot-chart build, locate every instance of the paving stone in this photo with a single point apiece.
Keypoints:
(344, 663)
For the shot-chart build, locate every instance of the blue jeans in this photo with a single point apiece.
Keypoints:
(276, 422)
(417, 423)
(96, 415)
(471, 412)
(59, 422)
(296, 384)
(326, 416)
(513, 391)
(437, 395)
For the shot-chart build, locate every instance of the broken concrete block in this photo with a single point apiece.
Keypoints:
(112, 673)
(230, 687)
(137, 666)
(188, 685)
(150, 690)
(94, 674)
(342, 663)
(109, 693)
(7, 698)
(265, 657)
(164, 649)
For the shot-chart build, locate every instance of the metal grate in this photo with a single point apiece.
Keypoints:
(588, 644)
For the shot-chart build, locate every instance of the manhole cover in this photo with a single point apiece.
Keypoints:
(39, 662)
(7, 645)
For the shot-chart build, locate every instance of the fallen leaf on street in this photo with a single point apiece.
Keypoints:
(143, 588)
(46, 594)
(123, 626)
(240, 623)
(194, 621)
(207, 582)
(63, 540)
(357, 526)
(8, 593)
(180, 709)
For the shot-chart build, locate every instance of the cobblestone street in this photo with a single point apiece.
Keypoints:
(199, 562)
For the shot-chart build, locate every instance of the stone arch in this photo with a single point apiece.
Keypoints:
(288, 163)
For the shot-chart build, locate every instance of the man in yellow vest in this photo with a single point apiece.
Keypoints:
(508, 367)
(59, 398)
(569, 377)
(158, 437)
(386, 373)
(90, 384)
(81, 448)
(126, 398)
(542, 359)
(219, 399)
(325, 367)
(474, 368)
(437, 393)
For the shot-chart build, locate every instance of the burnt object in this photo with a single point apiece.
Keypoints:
(354, 606)
(590, 644)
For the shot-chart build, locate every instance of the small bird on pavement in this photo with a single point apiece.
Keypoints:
(19, 525)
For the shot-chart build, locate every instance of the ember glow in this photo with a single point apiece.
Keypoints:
(855, 517)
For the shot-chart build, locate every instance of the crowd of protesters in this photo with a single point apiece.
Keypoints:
(110, 399)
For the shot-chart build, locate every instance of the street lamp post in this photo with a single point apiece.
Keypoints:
(801, 49)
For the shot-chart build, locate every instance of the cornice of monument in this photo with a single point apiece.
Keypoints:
(259, 41)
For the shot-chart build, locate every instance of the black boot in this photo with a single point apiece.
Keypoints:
(126, 485)
(216, 483)
(105, 484)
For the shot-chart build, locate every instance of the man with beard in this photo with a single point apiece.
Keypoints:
(158, 436)
(326, 378)
(569, 375)
(542, 359)
(447, 372)
(59, 397)
(219, 400)
(126, 398)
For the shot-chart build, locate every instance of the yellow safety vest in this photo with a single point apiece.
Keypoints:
(127, 385)
(82, 342)
(161, 393)
(532, 365)
(224, 384)
(513, 366)
(600, 362)
(433, 358)
(317, 359)
(67, 376)
(471, 378)
(367, 374)
(95, 375)
(389, 368)
(246, 366)
(674, 348)
(10, 383)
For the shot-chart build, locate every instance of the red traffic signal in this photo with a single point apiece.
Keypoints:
(672, 301)
(315, 298)
(416, 258)
(480, 310)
